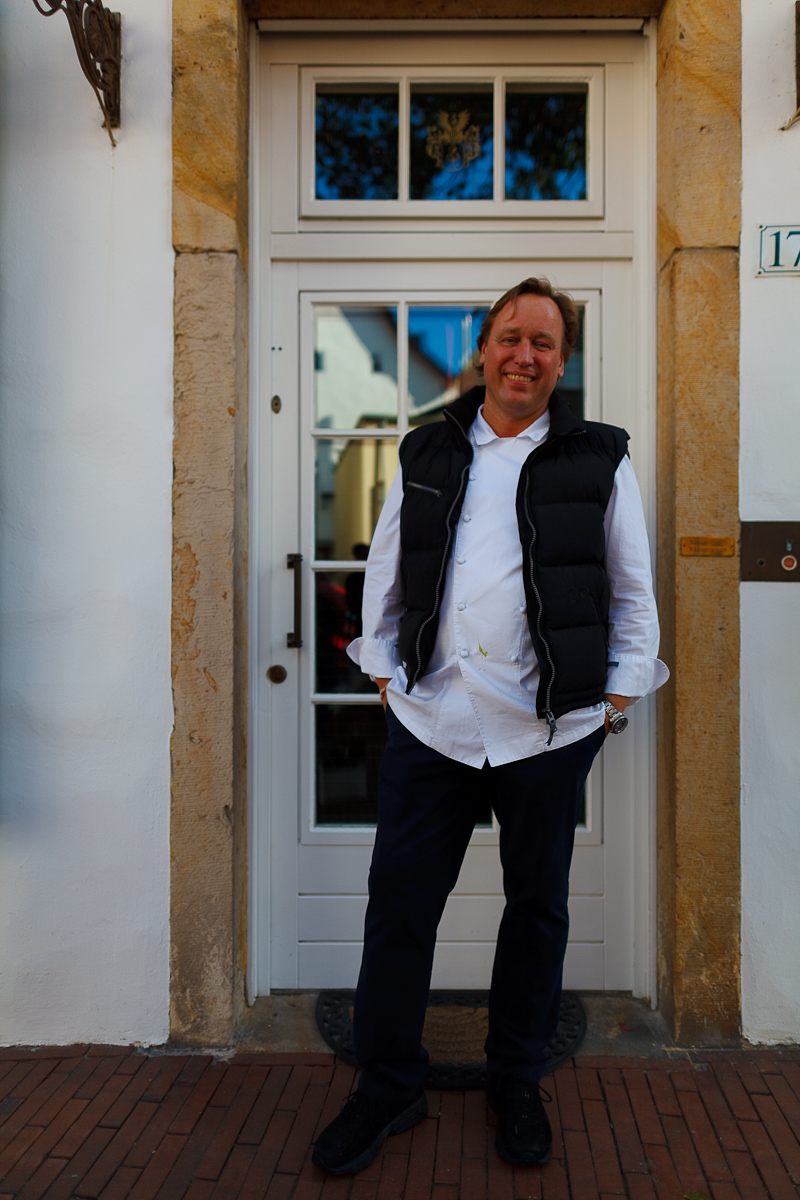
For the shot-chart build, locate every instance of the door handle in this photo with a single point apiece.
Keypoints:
(295, 563)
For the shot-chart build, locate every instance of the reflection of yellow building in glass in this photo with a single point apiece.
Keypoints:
(362, 478)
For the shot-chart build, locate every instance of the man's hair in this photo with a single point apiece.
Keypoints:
(536, 287)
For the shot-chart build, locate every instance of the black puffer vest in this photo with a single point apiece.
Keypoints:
(564, 488)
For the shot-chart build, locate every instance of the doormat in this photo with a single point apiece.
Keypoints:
(455, 1031)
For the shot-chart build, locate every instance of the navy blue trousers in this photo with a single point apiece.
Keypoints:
(427, 809)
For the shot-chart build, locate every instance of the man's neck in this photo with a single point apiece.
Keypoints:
(508, 427)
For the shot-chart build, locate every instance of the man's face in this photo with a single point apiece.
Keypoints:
(522, 363)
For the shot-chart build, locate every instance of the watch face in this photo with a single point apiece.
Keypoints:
(618, 725)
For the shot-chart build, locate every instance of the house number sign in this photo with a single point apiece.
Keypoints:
(779, 251)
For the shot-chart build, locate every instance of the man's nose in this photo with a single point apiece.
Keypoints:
(525, 352)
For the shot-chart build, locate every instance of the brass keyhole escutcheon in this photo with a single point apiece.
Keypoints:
(276, 674)
(276, 404)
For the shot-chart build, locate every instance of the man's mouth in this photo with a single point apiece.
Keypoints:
(519, 378)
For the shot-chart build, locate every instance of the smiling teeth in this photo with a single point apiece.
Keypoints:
(521, 378)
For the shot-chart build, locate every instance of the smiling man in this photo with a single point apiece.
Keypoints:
(508, 621)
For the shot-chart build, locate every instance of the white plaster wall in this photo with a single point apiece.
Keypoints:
(770, 490)
(85, 476)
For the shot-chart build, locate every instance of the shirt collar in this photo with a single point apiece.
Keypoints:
(482, 433)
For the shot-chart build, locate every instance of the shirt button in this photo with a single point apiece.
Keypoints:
(514, 658)
(523, 608)
(461, 561)
(465, 653)
(467, 520)
(461, 607)
(472, 478)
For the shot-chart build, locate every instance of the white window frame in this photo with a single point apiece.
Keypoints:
(498, 77)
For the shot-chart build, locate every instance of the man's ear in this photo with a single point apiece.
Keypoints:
(561, 366)
(483, 353)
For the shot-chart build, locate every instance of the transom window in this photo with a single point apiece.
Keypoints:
(390, 143)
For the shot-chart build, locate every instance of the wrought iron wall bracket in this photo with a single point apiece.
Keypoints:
(97, 34)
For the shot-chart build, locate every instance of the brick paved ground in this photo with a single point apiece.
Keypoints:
(111, 1123)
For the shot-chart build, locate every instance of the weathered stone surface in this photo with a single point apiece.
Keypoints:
(699, 605)
(210, 125)
(454, 9)
(699, 141)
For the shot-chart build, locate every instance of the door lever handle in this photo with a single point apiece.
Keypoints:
(295, 563)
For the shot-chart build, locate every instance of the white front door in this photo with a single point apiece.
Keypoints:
(358, 341)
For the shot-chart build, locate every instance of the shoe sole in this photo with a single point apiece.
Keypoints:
(521, 1160)
(411, 1116)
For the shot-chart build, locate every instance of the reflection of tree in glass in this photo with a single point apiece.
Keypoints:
(545, 145)
(356, 146)
(462, 119)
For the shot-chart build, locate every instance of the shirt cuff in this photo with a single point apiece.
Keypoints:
(635, 676)
(375, 656)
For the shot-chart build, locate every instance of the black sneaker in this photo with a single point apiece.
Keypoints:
(352, 1140)
(524, 1137)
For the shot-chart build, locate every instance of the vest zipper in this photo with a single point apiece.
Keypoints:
(547, 711)
(423, 488)
(437, 596)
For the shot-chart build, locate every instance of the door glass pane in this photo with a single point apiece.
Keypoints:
(356, 141)
(546, 141)
(572, 385)
(351, 480)
(452, 142)
(442, 352)
(355, 366)
(338, 597)
(350, 742)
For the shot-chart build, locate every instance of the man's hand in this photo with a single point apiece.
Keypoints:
(381, 685)
(620, 702)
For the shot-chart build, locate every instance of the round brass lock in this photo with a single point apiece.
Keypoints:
(276, 674)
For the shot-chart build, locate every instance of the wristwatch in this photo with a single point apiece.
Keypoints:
(617, 721)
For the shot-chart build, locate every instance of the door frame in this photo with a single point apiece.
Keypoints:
(266, 827)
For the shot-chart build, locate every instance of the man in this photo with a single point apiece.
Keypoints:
(508, 621)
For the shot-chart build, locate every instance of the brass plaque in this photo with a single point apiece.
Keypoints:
(709, 547)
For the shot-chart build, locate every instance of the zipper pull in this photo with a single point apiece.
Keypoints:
(551, 721)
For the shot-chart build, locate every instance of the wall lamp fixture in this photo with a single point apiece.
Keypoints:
(97, 34)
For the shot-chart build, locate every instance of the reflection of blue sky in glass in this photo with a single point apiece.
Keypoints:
(356, 144)
(446, 335)
(460, 122)
(545, 144)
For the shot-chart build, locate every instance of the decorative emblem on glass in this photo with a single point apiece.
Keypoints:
(451, 151)
(455, 143)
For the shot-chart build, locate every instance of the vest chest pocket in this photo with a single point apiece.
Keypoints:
(422, 487)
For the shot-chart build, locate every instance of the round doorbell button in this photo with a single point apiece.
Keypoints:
(789, 562)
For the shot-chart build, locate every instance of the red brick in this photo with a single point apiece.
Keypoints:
(662, 1172)
(705, 1140)
(569, 1102)
(119, 1146)
(39, 1150)
(604, 1154)
(611, 1075)
(170, 1069)
(725, 1191)
(25, 1113)
(791, 1072)
(554, 1182)
(683, 1154)
(778, 1129)
(201, 1189)
(753, 1080)
(232, 1122)
(185, 1167)
(401, 1142)
(717, 1108)
(746, 1177)
(394, 1169)
(475, 1124)
(122, 1108)
(364, 1189)
(14, 1078)
(473, 1180)
(309, 1185)
(131, 1064)
(106, 1050)
(86, 1122)
(280, 1187)
(770, 1167)
(735, 1094)
(588, 1084)
(266, 1157)
(36, 1053)
(146, 1145)
(38, 1184)
(644, 1111)
(640, 1187)
(579, 1165)
(442, 1191)
(230, 1181)
(299, 1141)
(322, 1075)
(195, 1068)
(626, 1135)
(788, 1102)
(528, 1183)
(77, 1166)
(35, 1078)
(665, 1100)
(342, 1084)
(286, 1058)
(292, 1095)
(69, 1086)
(232, 1080)
(682, 1081)
(419, 1179)
(202, 1092)
(100, 1070)
(448, 1145)
(121, 1183)
(15, 1150)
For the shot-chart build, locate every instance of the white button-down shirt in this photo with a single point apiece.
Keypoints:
(477, 699)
